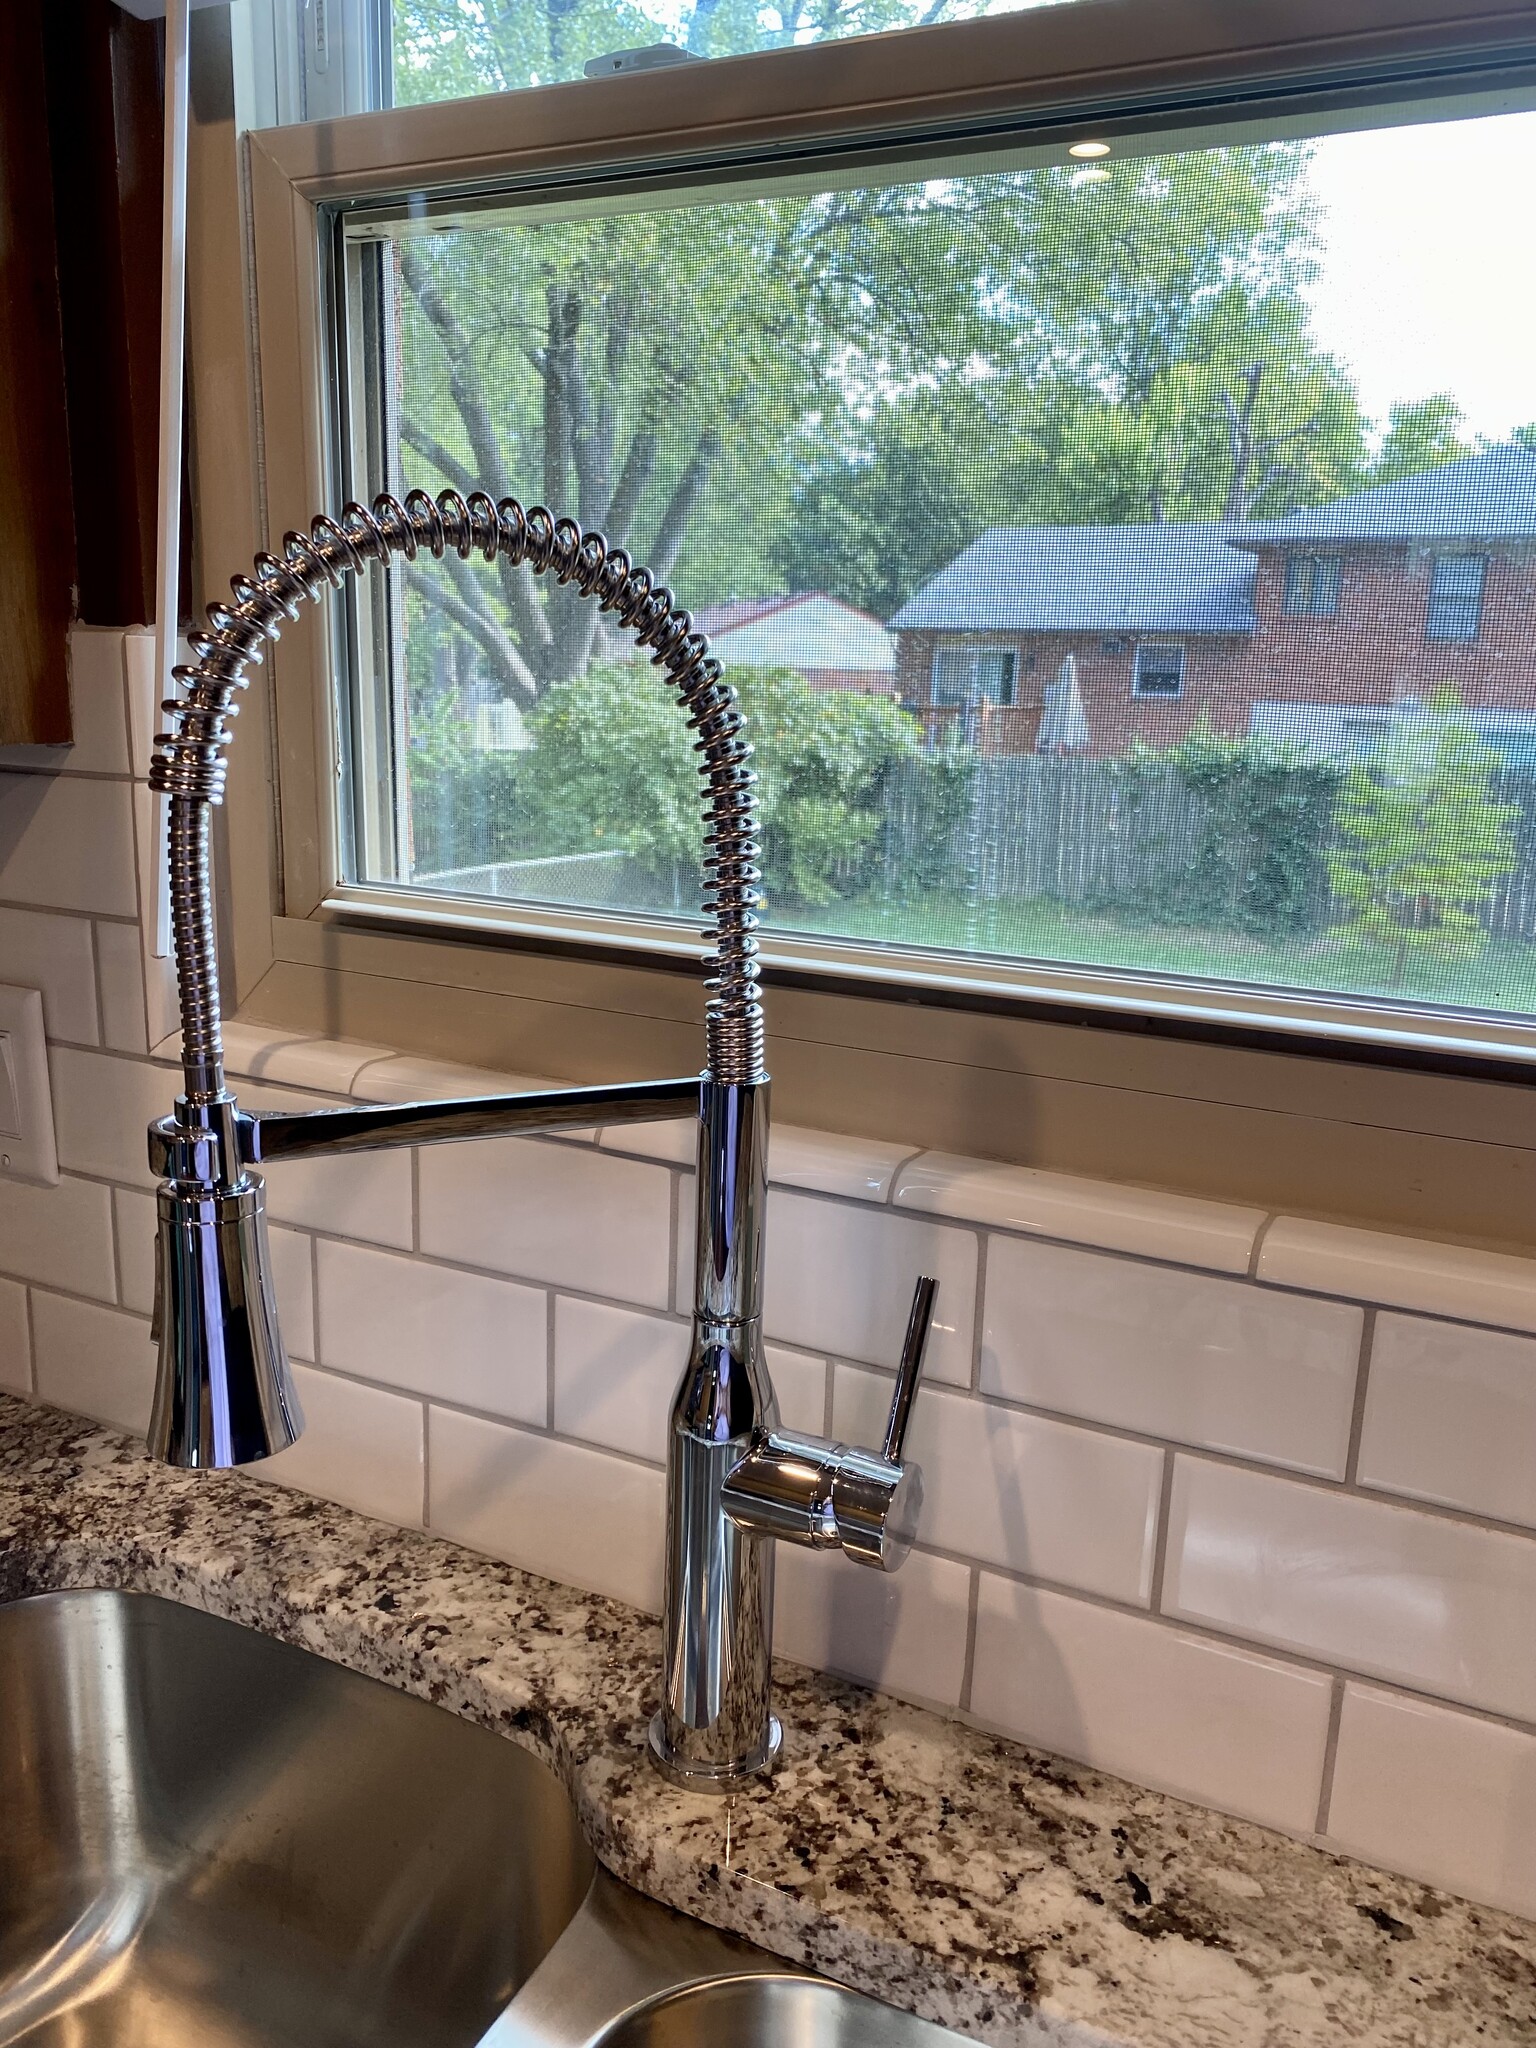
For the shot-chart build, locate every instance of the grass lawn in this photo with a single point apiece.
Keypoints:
(1501, 978)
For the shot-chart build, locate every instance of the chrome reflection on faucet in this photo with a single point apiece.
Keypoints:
(736, 1481)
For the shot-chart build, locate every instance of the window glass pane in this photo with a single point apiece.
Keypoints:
(1018, 504)
(453, 49)
(1456, 596)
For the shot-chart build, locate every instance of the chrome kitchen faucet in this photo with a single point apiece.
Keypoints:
(736, 1480)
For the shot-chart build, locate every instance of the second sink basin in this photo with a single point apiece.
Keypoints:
(771, 2012)
(210, 1838)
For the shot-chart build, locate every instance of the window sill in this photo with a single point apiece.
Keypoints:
(1377, 1268)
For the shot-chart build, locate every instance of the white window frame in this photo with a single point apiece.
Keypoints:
(1296, 576)
(1145, 650)
(1121, 68)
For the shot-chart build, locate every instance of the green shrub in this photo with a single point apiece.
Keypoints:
(613, 765)
(1260, 861)
(464, 804)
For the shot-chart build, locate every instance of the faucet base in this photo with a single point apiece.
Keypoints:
(703, 1774)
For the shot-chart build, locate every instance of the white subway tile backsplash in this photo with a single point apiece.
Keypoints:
(363, 1194)
(1401, 1272)
(134, 1221)
(66, 843)
(675, 1142)
(1171, 1353)
(570, 1215)
(120, 967)
(144, 694)
(1032, 1495)
(1141, 1220)
(1438, 1795)
(615, 1374)
(360, 1446)
(52, 953)
(553, 1508)
(1384, 1590)
(59, 1236)
(15, 1343)
(840, 1280)
(800, 1382)
(1204, 1720)
(98, 711)
(429, 1329)
(824, 1163)
(903, 1632)
(103, 1106)
(406, 1077)
(95, 1361)
(1450, 1416)
(288, 1059)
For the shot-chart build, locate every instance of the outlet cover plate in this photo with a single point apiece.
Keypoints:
(26, 1103)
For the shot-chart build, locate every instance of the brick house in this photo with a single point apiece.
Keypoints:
(1307, 628)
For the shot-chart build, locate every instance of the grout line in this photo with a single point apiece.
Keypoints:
(1330, 1756)
(1362, 1389)
(115, 1237)
(416, 1199)
(674, 1239)
(1160, 1540)
(549, 1360)
(101, 1008)
(897, 1171)
(65, 910)
(31, 1320)
(426, 1463)
(978, 1310)
(314, 1295)
(112, 1308)
(827, 1397)
(1258, 1245)
(968, 1667)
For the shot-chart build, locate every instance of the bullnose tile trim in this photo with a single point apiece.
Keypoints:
(1401, 1272)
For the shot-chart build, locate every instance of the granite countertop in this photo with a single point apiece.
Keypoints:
(1015, 1897)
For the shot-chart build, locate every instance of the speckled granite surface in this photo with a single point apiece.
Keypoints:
(1014, 1897)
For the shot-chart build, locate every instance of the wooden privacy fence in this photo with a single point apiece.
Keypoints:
(1087, 833)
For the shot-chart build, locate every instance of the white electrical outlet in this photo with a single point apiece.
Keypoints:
(26, 1104)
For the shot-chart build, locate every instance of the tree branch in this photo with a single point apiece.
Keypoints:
(464, 606)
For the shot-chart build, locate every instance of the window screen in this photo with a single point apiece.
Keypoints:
(1060, 442)
(1312, 584)
(1456, 596)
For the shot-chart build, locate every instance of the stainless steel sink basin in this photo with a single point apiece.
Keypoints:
(208, 1837)
(211, 1840)
(770, 2012)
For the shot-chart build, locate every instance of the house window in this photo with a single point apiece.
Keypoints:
(782, 349)
(1456, 597)
(973, 675)
(1312, 584)
(1159, 671)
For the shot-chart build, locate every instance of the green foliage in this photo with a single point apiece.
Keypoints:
(1423, 839)
(463, 800)
(1421, 434)
(613, 767)
(1259, 862)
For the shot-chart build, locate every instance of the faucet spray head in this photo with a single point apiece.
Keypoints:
(224, 1394)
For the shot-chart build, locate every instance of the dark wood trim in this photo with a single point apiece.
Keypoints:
(37, 535)
(105, 73)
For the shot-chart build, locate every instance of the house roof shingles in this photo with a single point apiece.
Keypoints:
(1199, 578)
(1136, 579)
(1482, 497)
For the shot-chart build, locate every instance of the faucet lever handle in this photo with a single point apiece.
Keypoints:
(914, 1344)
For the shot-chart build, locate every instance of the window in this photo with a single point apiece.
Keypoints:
(1159, 671)
(923, 377)
(973, 675)
(1456, 597)
(1312, 584)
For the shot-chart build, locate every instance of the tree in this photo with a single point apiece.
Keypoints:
(1421, 434)
(1423, 839)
